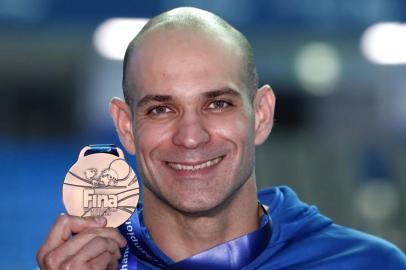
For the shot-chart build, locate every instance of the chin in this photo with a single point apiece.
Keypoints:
(197, 210)
(201, 204)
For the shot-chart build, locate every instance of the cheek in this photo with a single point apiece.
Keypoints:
(149, 136)
(236, 128)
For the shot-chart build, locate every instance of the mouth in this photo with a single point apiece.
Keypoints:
(195, 167)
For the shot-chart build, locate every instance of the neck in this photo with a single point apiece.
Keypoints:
(180, 235)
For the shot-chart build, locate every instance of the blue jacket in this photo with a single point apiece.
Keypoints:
(304, 239)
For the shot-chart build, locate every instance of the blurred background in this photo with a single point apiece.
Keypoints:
(338, 69)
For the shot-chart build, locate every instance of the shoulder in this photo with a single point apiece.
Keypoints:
(363, 249)
(334, 247)
(302, 238)
(338, 247)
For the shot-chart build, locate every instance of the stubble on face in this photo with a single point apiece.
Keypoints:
(193, 121)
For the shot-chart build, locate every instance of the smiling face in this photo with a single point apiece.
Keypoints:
(193, 121)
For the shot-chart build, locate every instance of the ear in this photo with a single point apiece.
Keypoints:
(122, 117)
(264, 106)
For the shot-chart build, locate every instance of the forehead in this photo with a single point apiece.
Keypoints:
(179, 59)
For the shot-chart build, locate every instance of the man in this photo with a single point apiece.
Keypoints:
(192, 117)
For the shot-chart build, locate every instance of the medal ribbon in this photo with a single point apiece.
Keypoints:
(102, 148)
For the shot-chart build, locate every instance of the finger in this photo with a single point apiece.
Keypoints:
(96, 247)
(60, 254)
(111, 233)
(104, 261)
(62, 230)
(113, 265)
(95, 251)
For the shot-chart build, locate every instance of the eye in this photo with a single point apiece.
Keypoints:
(219, 104)
(159, 110)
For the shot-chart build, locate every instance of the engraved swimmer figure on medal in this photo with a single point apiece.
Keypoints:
(108, 177)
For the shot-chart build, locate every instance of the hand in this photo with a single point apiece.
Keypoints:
(93, 246)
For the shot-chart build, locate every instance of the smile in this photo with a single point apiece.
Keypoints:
(183, 167)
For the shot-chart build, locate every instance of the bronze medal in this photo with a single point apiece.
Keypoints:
(101, 184)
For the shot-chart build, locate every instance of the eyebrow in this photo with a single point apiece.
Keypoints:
(166, 98)
(220, 92)
(158, 98)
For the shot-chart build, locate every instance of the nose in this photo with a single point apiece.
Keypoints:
(191, 131)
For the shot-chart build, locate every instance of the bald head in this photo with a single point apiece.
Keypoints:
(200, 22)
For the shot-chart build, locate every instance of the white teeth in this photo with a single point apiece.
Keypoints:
(181, 167)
